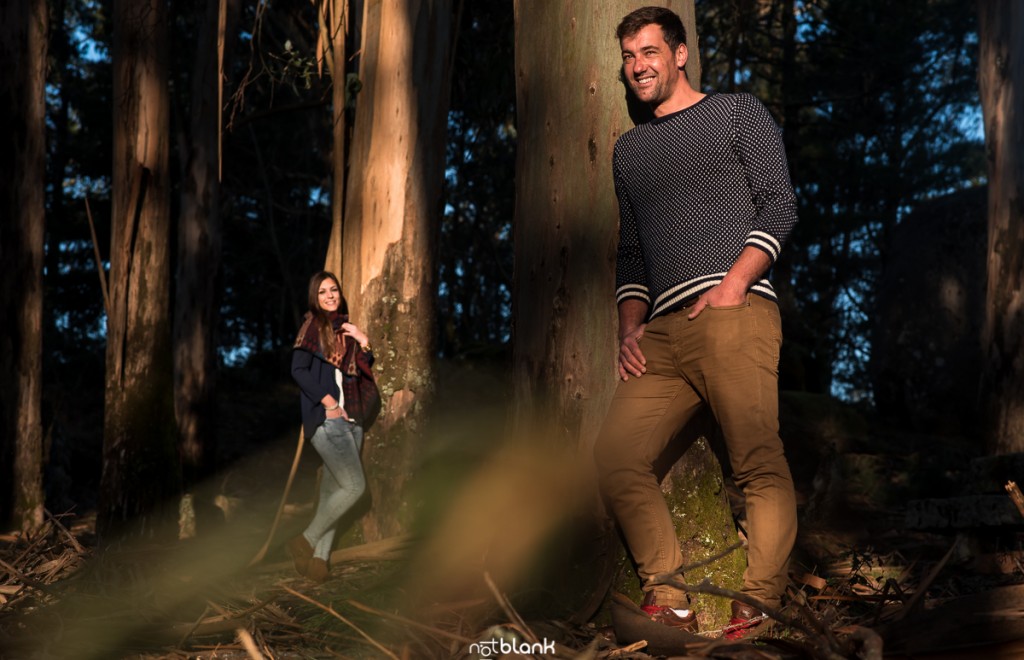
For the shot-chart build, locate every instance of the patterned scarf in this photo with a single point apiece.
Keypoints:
(308, 338)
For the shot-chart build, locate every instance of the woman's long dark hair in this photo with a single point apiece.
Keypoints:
(323, 321)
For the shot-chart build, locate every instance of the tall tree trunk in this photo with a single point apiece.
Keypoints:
(339, 25)
(141, 468)
(1001, 81)
(566, 219)
(23, 45)
(199, 251)
(392, 214)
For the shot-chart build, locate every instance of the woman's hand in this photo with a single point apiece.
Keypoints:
(350, 330)
(337, 413)
(332, 409)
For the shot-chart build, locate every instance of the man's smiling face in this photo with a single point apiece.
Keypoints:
(650, 67)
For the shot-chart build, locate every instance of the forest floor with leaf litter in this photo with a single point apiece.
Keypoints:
(862, 585)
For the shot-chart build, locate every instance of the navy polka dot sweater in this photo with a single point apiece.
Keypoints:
(696, 187)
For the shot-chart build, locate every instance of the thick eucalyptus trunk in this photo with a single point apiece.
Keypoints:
(391, 218)
(1001, 81)
(571, 108)
(23, 40)
(199, 251)
(141, 468)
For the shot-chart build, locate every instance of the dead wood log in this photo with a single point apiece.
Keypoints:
(388, 549)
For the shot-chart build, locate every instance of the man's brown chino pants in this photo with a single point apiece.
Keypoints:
(727, 359)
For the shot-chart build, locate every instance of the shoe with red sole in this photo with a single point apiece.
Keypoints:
(744, 622)
(681, 619)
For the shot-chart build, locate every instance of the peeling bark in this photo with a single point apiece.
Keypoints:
(391, 217)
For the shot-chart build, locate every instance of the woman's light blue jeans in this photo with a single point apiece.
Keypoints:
(338, 442)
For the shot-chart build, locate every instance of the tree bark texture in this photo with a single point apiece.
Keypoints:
(199, 251)
(568, 118)
(392, 214)
(1001, 82)
(141, 468)
(571, 108)
(23, 52)
(566, 221)
(339, 128)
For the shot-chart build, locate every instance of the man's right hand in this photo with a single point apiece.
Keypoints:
(631, 358)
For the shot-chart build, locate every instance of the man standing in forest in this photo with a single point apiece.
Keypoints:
(705, 204)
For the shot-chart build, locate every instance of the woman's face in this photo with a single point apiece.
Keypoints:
(329, 295)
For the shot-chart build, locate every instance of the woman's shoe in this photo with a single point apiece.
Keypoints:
(301, 552)
(318, 570)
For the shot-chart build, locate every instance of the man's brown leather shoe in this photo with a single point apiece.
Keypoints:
(745, 618)
(682, 619)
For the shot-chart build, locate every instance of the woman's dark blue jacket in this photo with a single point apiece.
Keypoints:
(316, 380)
(315, 377)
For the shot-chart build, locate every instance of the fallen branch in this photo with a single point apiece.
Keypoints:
(245, 637)
(388, 549)
(624, 651)
(99, 260)
(26, 580)
(826, 648)
(284, 498)
(926, 583)
(71, 537)
(217, 624)
(383, 550)
(665, 577)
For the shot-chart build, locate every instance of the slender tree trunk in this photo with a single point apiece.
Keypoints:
(23, 45)
(1001, 81)
(338, 30)
(141, 468)
(199, 251)
(566, 231)
(60, 76)
(392, 214)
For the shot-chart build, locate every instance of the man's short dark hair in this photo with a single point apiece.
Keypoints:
(669, 22)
